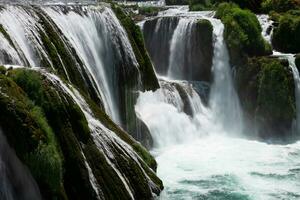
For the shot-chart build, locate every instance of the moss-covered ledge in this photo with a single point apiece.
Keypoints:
(77, 147)
(33, 139)
(136, 39)
(267, 92)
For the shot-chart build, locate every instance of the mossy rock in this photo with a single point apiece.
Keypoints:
(203, 50)
(242, 34)
(136, 39)
(285, 36)
(29, 133)
(73, 134)
(267, 92)
(2, 70)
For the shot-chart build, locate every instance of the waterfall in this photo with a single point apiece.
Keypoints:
(291, 59)
(223, 98)
(176, 45)
(200, 147)
(267, 30)
(109, 144)
(92, 49)
(163, 111)
(181, 41)
(176, 116)
(16, 181)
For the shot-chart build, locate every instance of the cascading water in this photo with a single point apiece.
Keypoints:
(181, 40)
(199, 155)
(267, 30)
(92, 41)
(224, 101)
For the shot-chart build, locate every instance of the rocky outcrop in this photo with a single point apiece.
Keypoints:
(267, 93)
(191, 55)
(158, 34)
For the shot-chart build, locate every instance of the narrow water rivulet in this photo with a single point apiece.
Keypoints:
(205, 154)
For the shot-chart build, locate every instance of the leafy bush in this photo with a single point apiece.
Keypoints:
(279, 5)
(198, 5)
(286, 36)
(276, 91)
(242, 33)
(149, 10)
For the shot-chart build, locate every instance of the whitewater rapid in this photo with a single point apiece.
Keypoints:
(198, 159)
(205, 154)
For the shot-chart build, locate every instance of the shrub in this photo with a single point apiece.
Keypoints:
(279, 5)
(286, 36)
(276, 92)
(149, 10)
(242, 33)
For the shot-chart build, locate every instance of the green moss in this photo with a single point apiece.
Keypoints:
(111, 185)
(279, 5)
(28, 132)
(149, 10)
(242, 33)
(136, 39)
(286, 36)
(105, 119)
(276, 92)
(63, 58)
(2, 70)
(198, 5)
(266, 89)
(70, 127)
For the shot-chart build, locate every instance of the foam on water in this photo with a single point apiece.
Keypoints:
(205, 155)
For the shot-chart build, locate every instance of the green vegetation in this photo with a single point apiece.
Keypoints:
(28, 131)
(242, 33)
(149, 10)
(265, 86)
(279, 5)
(286, 36)
(198, 5)
(59, 167)
(276, 91)
(135, 36)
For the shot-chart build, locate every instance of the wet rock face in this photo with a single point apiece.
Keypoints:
(158, 35)
(187, 42)
(201, 52)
